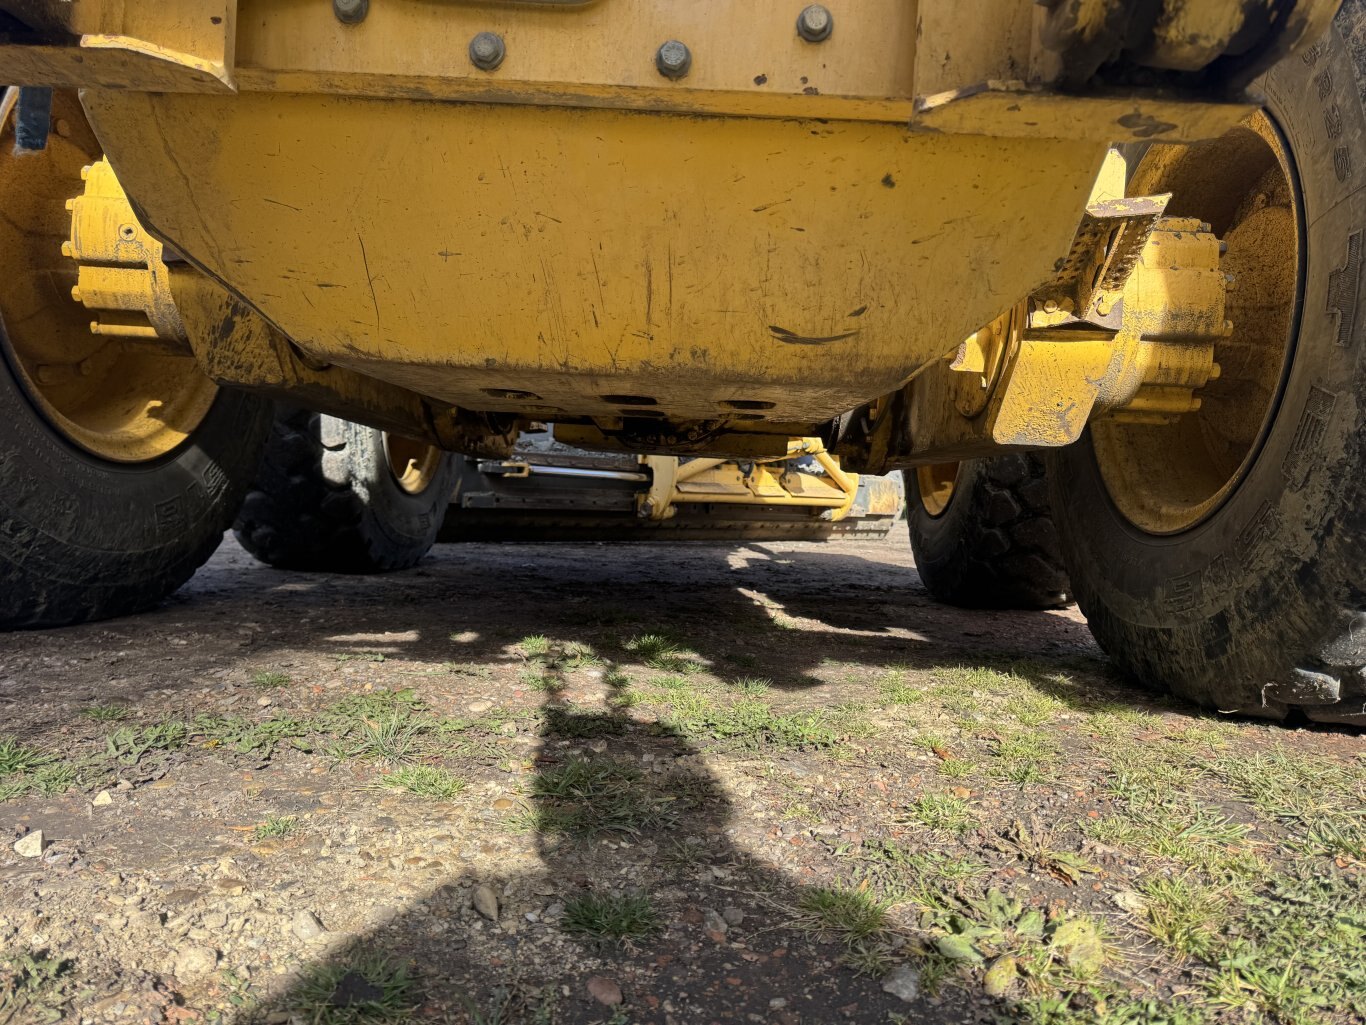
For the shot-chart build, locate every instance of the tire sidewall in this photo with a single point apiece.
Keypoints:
(1248, 593)
(941, 543)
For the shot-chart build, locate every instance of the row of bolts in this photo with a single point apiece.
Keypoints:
(673, 59)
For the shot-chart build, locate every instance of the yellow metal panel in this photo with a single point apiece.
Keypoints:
(599, 262)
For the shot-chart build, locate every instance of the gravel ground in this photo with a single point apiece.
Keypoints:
(651, 784)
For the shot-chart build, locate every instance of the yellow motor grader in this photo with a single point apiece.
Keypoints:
(1089, 271)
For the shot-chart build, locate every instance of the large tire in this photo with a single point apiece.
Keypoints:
(1260, 607)
(994, 544)
(327, 500)
(84, 538)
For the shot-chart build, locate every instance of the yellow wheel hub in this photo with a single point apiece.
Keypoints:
(413, 463)
(935, 484)
(1166, 478)
(120, 399)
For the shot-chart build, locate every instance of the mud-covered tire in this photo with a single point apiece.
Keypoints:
(83, 538)
(1260, 608)
(994, 545)
(326, 500)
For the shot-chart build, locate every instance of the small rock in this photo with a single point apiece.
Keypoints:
(714, 925)
(604, 991)
(103, 798)
(777, 1003)
(30, 845)
(479, 707)
(306, 926)
(215, 920)
(146, 920)
(195, 961)
(903, 981)
(733, 916)
(264, 702)
(485, 901)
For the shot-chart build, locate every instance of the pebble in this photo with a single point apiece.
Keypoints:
(902, 981)
(485, 901)
(30, 845)
(103, 798)
(306, 926)
(264, 702)
(714, 925)
(479, 707)
(195, 961)
(733, 916)
(604, 990)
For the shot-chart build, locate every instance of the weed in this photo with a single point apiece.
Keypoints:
(359, 656)
(275, 827)
(1185, 914)
(956, 768)
(852, 914)
(610, 916)
(364, 989)
(1181, 831)
(537, 678)
(128, 744)
(266, 678)
(374, 705)
(591, 797)
(18, 760)
(424, 781)
(33, 986)
(105, 713)
(578, 655)
(581, 723)
(389, 740)
(660, 652)
(256, 738)
(941, 812)
(752, 687)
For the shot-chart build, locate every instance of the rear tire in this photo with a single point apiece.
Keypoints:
(1259, 606)
(993, 544)
(326, 499)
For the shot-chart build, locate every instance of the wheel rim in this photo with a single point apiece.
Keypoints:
(413, 463)
(1168, 478)
(123, 402)
(935, 483)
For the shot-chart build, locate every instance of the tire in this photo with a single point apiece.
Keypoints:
(1260, 607)
(82, 538)
(326, 500)
(994, 544)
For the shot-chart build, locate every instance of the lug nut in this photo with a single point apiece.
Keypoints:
(350, 12)
(673, 59)
(487, 51)
(815, 24)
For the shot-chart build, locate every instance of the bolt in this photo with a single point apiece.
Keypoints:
(127, 232)
(350, 12)
(673, 59)
(815, 24)
(76, 293)
(487, 51)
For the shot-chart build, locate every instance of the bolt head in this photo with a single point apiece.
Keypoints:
(673, 59)
(487, 51)
(350, 12)
(815, 23)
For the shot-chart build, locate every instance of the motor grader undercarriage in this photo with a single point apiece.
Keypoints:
(930, 234)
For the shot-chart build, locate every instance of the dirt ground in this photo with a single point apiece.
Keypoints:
(772, 783)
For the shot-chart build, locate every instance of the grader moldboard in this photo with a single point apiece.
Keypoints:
(1088, 270)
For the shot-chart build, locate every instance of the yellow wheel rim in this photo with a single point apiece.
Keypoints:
(1167, 478)
(935, 484)
(413, 463)
(123, 401)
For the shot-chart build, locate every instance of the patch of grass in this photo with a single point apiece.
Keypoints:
(1185, 914)
(581, 723)
(896, 688)
(610, 916)
(578, 655)
(752, 686)
(1024, 757)
(956, 768)
(1034, 709)
(56, 778)
(359, 656)
(268, 678)
(537, 678)
(275, 827)
(1182, 831)
(375, 704)
(754, 724)
(389, 740)
(659, 651)
(535, 645)
(363, 989)
(424, 781)
(247, 736)
(941, 812)
(105, 713)
(852, 914)
(584, 798)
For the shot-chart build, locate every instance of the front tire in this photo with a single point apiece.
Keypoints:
(1250, 597)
